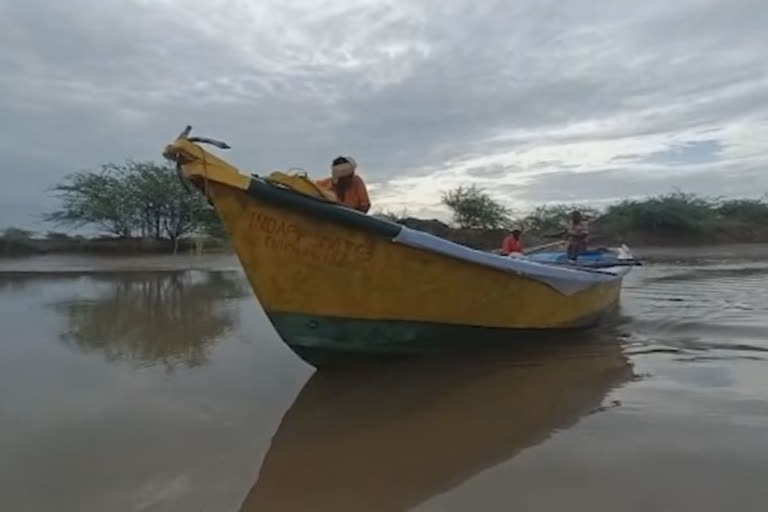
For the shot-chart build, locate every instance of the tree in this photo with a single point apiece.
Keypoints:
(165, 209)
(133, 198)
(95, 198)
(474, 208)
(17, 234)
(211, 225)
(57, 237)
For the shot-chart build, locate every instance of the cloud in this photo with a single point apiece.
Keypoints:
(536, 101)
(690, 152)
(610, 185)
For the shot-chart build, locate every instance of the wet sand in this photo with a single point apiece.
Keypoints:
(154, 384)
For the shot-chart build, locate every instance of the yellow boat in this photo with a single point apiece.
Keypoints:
(332, 278)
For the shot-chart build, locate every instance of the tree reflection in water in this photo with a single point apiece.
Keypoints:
(151, 318)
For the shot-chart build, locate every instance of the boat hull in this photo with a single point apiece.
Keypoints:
(326, 285)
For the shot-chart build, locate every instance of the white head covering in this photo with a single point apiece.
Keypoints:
(343, 169)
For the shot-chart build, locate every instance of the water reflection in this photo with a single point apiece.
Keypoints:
(387, 439)
(14, 282)
(149, 318)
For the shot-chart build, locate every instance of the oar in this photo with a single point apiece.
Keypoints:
(608, 264)
(539, 248)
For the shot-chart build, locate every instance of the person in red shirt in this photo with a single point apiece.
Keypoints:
(512, 243)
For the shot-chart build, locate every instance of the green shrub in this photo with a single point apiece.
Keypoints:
(745, 210)
(16, 234)
(473, 208)
(675, 213)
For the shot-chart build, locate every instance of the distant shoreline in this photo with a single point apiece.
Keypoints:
(675, 220)
(486, 240)
(223, 260)
(106, 246)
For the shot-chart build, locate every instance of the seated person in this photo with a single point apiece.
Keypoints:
(349, 187)
(512, 243)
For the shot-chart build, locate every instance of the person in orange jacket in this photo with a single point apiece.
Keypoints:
(348, 186)
(513, 243)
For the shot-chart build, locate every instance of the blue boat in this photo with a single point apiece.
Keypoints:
(594, 258)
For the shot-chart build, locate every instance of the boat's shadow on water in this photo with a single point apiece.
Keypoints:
(388, 436)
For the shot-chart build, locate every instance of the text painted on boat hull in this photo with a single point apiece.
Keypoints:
(286, 237)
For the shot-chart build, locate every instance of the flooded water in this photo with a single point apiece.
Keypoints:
(158, 385)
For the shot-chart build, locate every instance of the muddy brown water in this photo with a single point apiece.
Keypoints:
(156, 384)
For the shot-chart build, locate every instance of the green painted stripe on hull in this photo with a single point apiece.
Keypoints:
(392, 336)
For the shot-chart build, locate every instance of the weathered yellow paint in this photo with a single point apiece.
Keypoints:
(298, 264)
(204, 167)
(302, 183)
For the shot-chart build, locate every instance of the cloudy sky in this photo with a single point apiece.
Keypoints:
(538, 101)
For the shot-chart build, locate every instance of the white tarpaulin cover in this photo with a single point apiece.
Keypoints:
(566, 280)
